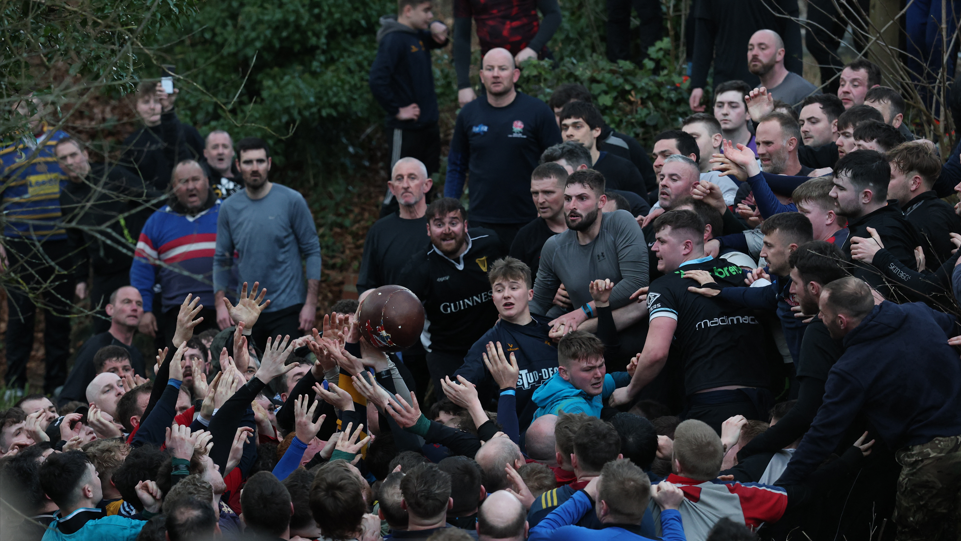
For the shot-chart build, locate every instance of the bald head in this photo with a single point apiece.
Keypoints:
(769, 36)
(501, 516)
(104, 392)
(493, 457)
(539, 438)
(499, 73)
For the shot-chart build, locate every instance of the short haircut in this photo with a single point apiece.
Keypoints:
(30, 397)
(407, 460)
(885, 135)
(20, 482)
(620, 202)
(854, 116)
(10, 417)
(426, 490)
(686, 143)
(708, 214)
(218, 132)
(866, 169)
(298, 486)
(440, 208)
(564, 430)
(389, 496)
(337, 501)
(108, 353)
(190, 518)
(697, 447)
(886, 94)
(638, 438)
(127, 406)
(550, 170)
(510, 268)
(345, 306)
(401, 4)
(251, 143)
(793, 227)
(728, 530)
(173, 179)
(595, 444)
(584, 111)
(784, 107)
(751, 430)
(403, 161)
(588, 178)
(578, 346)
(709, 120)
(916, 157)
(626, 490)
(817, 190)
(106, 455)
(831, 105)
(192, 486)
(538, 478)
(67, 140)
(691, 164)
(862, 64)
(575, 154)
(146, 88)
(466, 491)
(62, 475)
(682, 220)
(493, 457)
(781, 409)
(266, 504)
(734, 85)
(567, 93)
(789, 125)
(142, 464)
(818, 261)
(198, 344)
(504, 528)
(849, 295)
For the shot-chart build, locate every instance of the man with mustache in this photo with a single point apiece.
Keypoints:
(596, 246)
(451, 280)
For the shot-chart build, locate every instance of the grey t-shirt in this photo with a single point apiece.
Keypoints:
(793, 89)
(272, 236)
(619, 253)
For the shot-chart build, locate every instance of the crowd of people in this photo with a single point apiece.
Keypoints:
(747, 332)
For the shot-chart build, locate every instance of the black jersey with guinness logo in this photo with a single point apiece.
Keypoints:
(717, 342)
(456, 294)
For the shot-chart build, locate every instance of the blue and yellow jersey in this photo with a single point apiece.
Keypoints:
(31, 189)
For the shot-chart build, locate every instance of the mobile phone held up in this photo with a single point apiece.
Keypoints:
(167, 78)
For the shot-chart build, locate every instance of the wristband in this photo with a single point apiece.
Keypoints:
(508, 392)
(588, 311)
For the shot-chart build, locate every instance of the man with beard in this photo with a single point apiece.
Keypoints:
(911, 405)
(765, 58)
(819, 129)
(499, 140)
(547, 191)
(174, 250)
(219, 164)
(108, 197)
(271, 227)
(596, 246)
(719, 346)
(860, 192)
(451, 280)
(778, 136)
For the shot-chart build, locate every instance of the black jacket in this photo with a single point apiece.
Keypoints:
(110, 197)
(625, 146)
(152, 152)
(935, 220)
(899, 238)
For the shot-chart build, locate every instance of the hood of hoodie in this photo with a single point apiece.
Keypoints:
(883, 321)
(389, 24)
(178, 208)
(556, 390)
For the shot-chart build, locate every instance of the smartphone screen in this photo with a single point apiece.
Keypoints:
(166, 79)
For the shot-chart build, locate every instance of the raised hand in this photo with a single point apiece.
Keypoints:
(202, 440)
(207, 406)
(71, 426)
(150, 495)
(463, 393)
(176, 364)
(601, 292)
(760, 102)
(731, 431)
(632, 365)
(518, 487)
(304, 424)
(241, 354)
(667, 496)
(503, 371)
(272, 363)
(101, 423)
(741, 156)
(324, 361)
(371, 390)
(335, 396)
(345, 360)
(34, 425)
(185, 320)
(405, 414)
(179, 442)
(348, 443)
(711, 194)
(161, 355)
(241, 437)
(249, 307)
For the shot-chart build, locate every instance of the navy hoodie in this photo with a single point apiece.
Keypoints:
(402, 73)
(536, 358)
(899, 371)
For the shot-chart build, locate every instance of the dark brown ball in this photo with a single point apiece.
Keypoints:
(391, 318)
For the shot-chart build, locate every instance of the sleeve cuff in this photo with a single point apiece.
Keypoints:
(421, 426)
(341, 455)
(175, 383)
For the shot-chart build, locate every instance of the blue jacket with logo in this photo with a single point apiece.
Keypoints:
(559, 395)
(32, 180)
(536, 357)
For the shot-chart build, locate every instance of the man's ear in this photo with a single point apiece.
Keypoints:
(428, 184)
(562, 370)
(517, 74)
(897, 120)
(527, 529)
(791, 144)
(834, 126)
(380, 513)
(716, 140)
(403, 504)
(109, 308)
(574, 461)
(915, 182)
(269, 162)
(601, 201)
(483, 494)
(450, 503)
(791, 248)
(596, 132)
(135, 421)
(707, 232)
(831, 217)
(559, 458)
(530, 295)
(814, 288)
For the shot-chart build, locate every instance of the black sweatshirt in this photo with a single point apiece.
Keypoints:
(625, 146)
(620, 174)
(152, 152)
(724, 27)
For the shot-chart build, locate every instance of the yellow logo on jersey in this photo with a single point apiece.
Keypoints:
(482, 263)
(512, 347)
